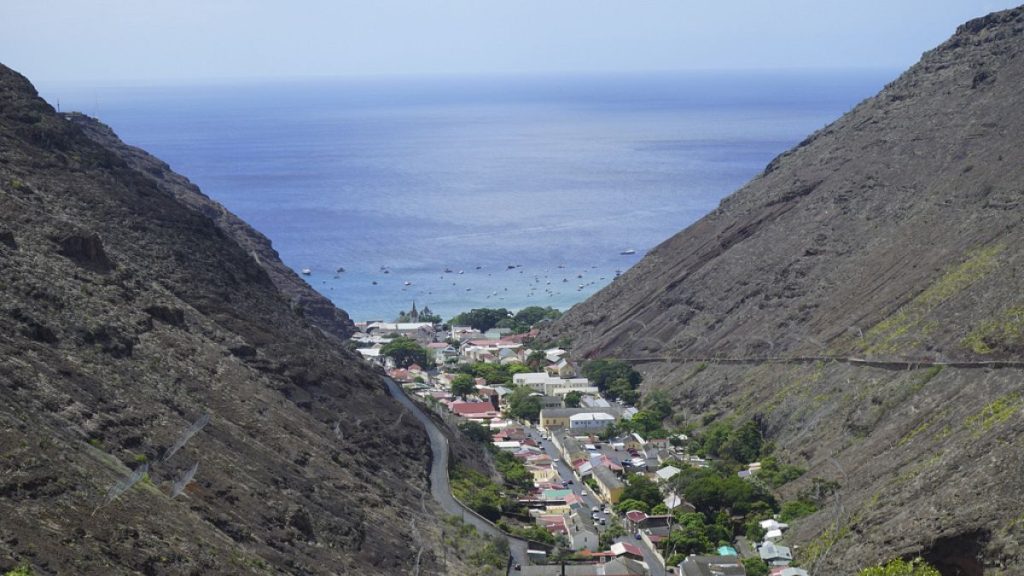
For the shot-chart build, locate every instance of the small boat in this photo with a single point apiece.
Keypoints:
(461, 272)
(628, 252)
(374, 282)
(339, 270)
(407, 283)
(447, 270)
(306, 271)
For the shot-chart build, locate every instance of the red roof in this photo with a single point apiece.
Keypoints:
(472, 408)
(635, 516)
(631, 549)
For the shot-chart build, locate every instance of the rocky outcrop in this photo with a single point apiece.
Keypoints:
(892, 235)
(314, 306)
(168, 405)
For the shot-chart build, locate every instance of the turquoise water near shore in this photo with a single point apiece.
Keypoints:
(531, 187)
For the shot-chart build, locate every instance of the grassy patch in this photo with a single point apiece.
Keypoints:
(1001, 333)
(892, 334)
(994, 413)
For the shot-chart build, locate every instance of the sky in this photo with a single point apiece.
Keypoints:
(125, 42)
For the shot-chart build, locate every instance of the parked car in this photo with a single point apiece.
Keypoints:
(595, 509)
(583, 492)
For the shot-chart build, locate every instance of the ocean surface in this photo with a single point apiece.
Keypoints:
(457, 193)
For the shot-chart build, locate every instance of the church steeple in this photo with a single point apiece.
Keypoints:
(414, 316)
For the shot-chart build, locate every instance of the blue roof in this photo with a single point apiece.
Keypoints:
(727, 551)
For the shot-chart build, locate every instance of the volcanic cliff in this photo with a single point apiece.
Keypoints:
(861, 299)
(149, 337)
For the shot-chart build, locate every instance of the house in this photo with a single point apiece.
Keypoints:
(656, 521)
(517, 433)
(775, 554)
(590, 422)
(475, 410)
(548, 401)
(553, 355)
(562, 368)
(665, 474)
(591, 401)
(559, 417)
(609, 484)
(634, 518)
(659, 443)
(553, 385)
(627, 550)
(712, 566)
(422, 332)
(443, 352)
(773, 524)
(508, 356)
(580, 529)
(497, 333)
(613, 567)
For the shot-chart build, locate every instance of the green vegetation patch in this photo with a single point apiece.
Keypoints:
(889, 335)
(994, 413)
(488, 556)
(1003, 333)
(898, 567)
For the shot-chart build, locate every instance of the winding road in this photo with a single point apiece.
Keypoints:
(440, 487)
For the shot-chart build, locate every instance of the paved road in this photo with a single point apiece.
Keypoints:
(440, 488)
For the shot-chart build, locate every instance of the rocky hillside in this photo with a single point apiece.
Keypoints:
(894, 236)
(148, 337)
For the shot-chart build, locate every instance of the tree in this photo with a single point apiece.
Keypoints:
(533, 314)
(513, 471)
(463, 385)
(604, 371)
(643, 489)
(572, 399)
(405, 352)
(797, 509)
(476, 432)
(523, 405)
(482, 319)
(743, 444)
(627, 504)
(536, 359)
(755, 567)
(898, 567)
(656, 403)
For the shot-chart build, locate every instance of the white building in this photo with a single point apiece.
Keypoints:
(553, 385)
(590, 421)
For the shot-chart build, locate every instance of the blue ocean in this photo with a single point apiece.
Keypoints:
(456, 193)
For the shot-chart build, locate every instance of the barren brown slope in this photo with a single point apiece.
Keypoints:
(127, 312)
(894, 233)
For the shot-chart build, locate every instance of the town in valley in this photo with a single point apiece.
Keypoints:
(595, 477)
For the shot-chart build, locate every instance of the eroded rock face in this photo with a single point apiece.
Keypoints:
(893, 235)
(86, 249)
(127, 315)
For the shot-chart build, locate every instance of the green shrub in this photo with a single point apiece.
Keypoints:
(898, 567)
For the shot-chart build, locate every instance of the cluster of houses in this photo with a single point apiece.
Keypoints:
(601, 466)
